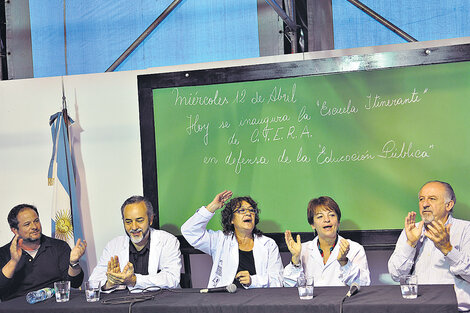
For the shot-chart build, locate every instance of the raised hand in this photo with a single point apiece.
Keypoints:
(15, 249)
(343, 252)
(113, 265)
(126, 277)
(113, 268)
(440, 235)
(219, 200)
(244, 278)
(77, 251)
(15, 254)
(295, 247)
(413, 233)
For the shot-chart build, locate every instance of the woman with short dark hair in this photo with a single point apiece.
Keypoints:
(241, 254)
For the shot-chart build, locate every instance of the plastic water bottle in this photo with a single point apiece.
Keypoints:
(39, 295)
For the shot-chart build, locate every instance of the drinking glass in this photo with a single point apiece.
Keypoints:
(92, 290)
(409, 286)
(305, 287)
(62, 291)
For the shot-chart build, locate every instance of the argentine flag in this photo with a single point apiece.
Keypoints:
(66, 219)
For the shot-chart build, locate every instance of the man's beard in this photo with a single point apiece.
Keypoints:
(140, 238)
(428, 218)
(29, 240)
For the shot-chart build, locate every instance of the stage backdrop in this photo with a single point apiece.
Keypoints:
(284, 134)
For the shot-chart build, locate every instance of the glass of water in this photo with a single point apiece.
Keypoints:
(92, 290)
(62, 291)
(305, 287)
(409, 286)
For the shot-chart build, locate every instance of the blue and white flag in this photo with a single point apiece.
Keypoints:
(66, 219)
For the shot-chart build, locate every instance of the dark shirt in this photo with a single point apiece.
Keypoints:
(246, 262)
(50, 264)
(140, 259)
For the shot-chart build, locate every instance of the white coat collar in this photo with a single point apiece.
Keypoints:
(315, 253)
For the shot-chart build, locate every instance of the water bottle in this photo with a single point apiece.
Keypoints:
(39, 295)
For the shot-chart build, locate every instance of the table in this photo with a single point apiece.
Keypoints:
(387, 298)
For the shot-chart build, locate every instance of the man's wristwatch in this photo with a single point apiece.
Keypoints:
(75, 265)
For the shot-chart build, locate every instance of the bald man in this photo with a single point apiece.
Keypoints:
(437, 249)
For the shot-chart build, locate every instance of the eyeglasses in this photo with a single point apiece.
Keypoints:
(243, 210)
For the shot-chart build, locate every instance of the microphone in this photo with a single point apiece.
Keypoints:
(353, 290)
(230, 288)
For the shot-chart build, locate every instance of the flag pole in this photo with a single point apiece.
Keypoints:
(64, 109)
(66, 122)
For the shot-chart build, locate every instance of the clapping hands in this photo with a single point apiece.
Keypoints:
(116, 277)
(295, 247)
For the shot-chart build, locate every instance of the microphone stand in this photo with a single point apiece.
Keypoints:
(350, 293)
(341, 304)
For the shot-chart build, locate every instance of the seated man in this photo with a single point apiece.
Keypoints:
(32, 261)
(145, 258)
(437, 249)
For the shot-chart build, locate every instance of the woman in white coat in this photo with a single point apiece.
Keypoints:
(240, 253)
(331, 259)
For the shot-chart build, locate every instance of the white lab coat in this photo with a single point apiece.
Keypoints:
(164, 256)
(331, 273)
(224, 252)
(432, 266)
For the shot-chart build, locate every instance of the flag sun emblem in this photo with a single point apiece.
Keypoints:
(63, 225)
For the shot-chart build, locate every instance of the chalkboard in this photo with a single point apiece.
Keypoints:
(367, 138)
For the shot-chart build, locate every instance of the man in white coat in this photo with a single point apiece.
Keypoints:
(145, 258)
(437, 249)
